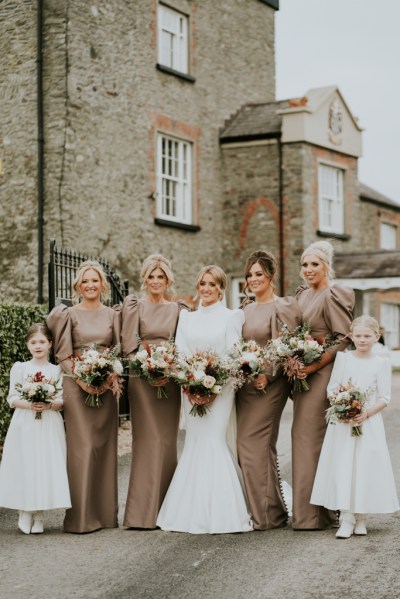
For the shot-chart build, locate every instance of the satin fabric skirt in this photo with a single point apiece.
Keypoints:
(154, 450)
(308, 431)
(206, 494)
(33, 472)
(92, 460)
(258, 419)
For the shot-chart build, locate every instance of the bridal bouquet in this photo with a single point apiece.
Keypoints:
(248, 361)
(38, 389)
(95, 368)
(295, 349)
(346, 403)
(201, 376)
(154, 361)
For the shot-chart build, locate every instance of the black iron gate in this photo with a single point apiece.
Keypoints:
(63, 265)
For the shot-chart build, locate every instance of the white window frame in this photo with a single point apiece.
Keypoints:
(174, 179)
(388, 236)
(173, 39)
(330, 199)
(237, 293)
(389, 321)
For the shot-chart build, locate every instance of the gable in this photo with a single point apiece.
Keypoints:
(322, 118)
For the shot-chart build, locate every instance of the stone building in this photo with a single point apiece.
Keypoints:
(152, 126)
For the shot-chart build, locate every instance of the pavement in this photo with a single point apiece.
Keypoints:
(277, 564)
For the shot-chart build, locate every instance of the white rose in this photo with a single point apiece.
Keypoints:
(311, 344)
(209, 382)
(251, 360)
(117, 367)
(50, 389)
(293, 342)
(102, 362)
(142, 355)
(198, 375)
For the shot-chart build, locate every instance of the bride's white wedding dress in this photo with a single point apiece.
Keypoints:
(206, 493)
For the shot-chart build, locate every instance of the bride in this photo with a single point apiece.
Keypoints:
(206, 492)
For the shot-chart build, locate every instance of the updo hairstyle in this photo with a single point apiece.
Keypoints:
(80, 273)
(324, 250)
(39, 327)
(219, 277)
(366, 321)
(267, 262)
(151, 263)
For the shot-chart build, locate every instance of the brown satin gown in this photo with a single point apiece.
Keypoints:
(92, 433)
(259, 415)
(154, 420)
(329, 313)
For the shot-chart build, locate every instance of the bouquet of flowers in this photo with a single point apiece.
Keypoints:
(247, 360)
(95, 367)
(346, 403)
(201, 376)
(154, 361)
(295, 349)
(37, 389)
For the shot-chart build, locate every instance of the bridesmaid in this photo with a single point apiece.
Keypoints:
(259, 414)
(154, 421)
(92, 433)
(329, 310)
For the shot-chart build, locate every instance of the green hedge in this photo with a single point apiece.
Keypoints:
(15, 319)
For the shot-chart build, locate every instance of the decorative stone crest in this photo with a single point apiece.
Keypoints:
(335, 122)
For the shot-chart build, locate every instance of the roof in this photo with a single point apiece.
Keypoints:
(371, 265)
(254, 121)
(370, 195)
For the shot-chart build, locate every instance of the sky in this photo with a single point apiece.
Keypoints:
(355, 45)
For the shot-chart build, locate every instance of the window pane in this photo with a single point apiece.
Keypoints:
(172, 39)
(331, 207)
(173, 184)
(388, 236)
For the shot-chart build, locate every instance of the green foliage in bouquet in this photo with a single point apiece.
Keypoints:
(15, 319)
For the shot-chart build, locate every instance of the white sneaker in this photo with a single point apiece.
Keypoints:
(25, 522)
(37, 527)
(360, 528)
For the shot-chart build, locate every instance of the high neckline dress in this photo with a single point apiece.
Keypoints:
(329, 313)
(33, 473)
(355, 474)
(206, 494)
(92, 433)
(155, 420)
(259, 415)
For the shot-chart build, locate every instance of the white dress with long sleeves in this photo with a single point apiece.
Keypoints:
(33, 473)
(206, 492)
(355, 473)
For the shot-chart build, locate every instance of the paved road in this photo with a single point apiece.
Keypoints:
(280, 564)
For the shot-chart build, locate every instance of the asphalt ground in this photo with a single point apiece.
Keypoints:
(278, 564)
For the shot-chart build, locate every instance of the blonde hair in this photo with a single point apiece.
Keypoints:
(324, 250)
(366, 321)
(267, 262)
(157, 261)
(39, 327)
(219, 277)
(80, 273)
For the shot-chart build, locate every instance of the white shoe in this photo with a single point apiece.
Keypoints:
(360, 528)
(37, 527)
(345, 531)
(25, 522)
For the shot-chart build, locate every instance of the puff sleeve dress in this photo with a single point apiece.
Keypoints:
(92, 433)
(355, 474)
(259, 415)
(155, 420)
(206, 493)
(33, 473)
(329, 313)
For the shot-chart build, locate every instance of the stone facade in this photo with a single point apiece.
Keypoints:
(104, 100)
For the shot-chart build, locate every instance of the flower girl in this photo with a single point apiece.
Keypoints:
(354, 473)
(33, 475)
